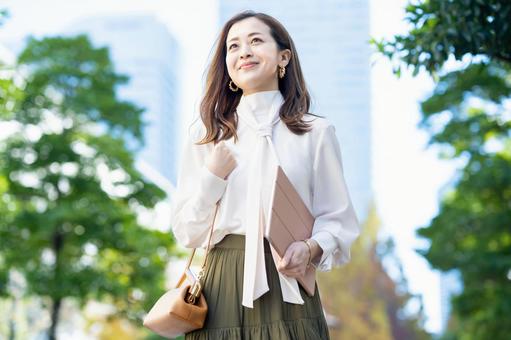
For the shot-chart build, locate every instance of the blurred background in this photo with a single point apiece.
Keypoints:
(96, 96)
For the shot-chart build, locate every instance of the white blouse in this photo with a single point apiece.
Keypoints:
(311, 161)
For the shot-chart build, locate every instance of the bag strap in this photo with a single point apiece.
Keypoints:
(201, 273)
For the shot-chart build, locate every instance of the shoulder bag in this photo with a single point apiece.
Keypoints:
(183, 308)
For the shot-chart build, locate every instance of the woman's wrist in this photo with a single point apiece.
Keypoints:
(316, 250)
(309, 248)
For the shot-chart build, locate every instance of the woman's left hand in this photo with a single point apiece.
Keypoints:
(294, 262)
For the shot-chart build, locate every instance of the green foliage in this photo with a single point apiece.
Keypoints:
(473, 99)
(10, 94)
(441, 29)
(471, 233)
(78, 81)
(467, 115)
(69, 185)
(4, 212)
(10, 97)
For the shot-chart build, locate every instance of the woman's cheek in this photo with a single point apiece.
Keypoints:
(230, 64)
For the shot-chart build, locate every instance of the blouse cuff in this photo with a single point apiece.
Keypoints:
(328, 244)
(211, 187)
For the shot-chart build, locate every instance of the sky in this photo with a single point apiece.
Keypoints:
(407, 177)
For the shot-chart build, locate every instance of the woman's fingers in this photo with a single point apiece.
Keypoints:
(286, 260)
(294, 262)
(294, 273)
(221, 161)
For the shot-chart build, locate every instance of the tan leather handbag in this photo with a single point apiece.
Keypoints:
(183, 308)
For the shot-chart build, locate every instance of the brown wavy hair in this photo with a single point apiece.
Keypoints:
(218, 106)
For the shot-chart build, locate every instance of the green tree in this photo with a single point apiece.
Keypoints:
(6, 85)
(70, 181)
(467, 117)
(450, 29)
(10, 94)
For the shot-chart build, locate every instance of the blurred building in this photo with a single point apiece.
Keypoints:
(332, 42)
(142, 48)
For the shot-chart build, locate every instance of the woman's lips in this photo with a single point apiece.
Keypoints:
(248, 66)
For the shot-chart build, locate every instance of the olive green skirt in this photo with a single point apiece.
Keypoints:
(271, 317)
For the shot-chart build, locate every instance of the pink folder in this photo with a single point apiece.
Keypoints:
(290, 220)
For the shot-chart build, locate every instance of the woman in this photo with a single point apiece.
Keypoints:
(255, 90)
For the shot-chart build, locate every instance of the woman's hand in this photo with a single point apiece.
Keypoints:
(295, 260)
(221, 162)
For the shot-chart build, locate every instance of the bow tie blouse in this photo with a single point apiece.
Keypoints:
(311, 161)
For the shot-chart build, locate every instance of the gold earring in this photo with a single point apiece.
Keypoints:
(282, 71)
(232, 88)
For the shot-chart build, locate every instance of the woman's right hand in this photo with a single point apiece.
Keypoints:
(221, 161)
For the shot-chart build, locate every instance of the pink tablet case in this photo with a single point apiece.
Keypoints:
(290, 221)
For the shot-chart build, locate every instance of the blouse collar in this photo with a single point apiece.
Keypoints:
(258, 104)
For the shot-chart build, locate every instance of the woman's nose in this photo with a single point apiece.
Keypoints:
(245, 51)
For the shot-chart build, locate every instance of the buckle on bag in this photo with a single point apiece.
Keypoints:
(194, 292)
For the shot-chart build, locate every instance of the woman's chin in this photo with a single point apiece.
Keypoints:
(251, 84)
(248, 82)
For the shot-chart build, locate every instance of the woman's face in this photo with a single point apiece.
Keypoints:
(249, 41)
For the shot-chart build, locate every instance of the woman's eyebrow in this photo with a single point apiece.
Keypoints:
(250, 34)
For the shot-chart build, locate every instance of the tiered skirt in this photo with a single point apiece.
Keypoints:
(271, 317)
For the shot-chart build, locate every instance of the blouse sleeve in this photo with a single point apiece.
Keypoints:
(336, 225)
(197, 192)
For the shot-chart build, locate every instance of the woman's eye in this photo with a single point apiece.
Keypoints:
(235, 45)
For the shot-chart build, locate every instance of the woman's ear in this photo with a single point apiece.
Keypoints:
(285, 56)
